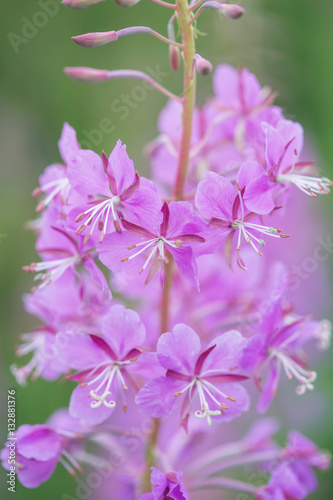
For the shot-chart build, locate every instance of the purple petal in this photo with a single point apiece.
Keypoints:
(41, 443)
(178, 375)
(115, 248)
(137, 230)
(274, 145)
(148, 366)
(144, 208)
(165, 223)
(121, 168)
(258, 195)
(156, 398)
(269, 389)
(226, 86)
(131, 190)
(33, 472)
(86, 174)
(178, 350)
(201, 359)
(123, 330)
(78, 351)
(226, 378)
(79, 407)
(248, 172)
(215, 197)
(103, 345)
(227, 353)
(97, 275)
(251, 95)
(186, 264)
(68, 144)
(253, 351)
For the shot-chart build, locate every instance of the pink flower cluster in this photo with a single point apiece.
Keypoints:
(245, 164)
(157, 301)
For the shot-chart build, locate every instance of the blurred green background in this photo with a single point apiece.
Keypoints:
(287, 43)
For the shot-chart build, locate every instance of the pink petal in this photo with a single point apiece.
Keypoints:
(178, 350)
(215, 197)
(123, 330)
(121, 168)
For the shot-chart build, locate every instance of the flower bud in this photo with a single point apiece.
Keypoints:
(174, 57)
(126, 3)
(83, 74)
(204, 67)
(80, 4)
(232, 11)
(95, 39)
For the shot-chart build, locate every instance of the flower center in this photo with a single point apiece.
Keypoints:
(156, 245)
(99, 215)
(105, 373)
(207, 392)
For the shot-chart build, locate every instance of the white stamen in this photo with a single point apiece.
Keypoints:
(98, 212)
(61, 186)
(309, 185)
(51, 270)
(292, 368)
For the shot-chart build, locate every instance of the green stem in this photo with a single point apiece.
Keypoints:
(187, 34)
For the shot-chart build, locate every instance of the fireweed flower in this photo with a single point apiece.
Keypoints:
(148, 249)
(166, 486)
(242, 104)
(210, 376)
(106, 364)
(301, 450)
(54, 183)
(105, 194)
(61, 251)
(284, 144)
(279, 348)
(38, 450)
(44, 362)
(219, 201)
(284, 484)
(78, 307)
(295, 477)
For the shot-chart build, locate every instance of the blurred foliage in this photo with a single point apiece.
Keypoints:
(287, 43)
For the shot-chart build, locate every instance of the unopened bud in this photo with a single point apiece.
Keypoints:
(174, 57)
(80, 4)
(83, 74)
(204, 67)
(232, 11)
(95, 39)
(126, 3)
